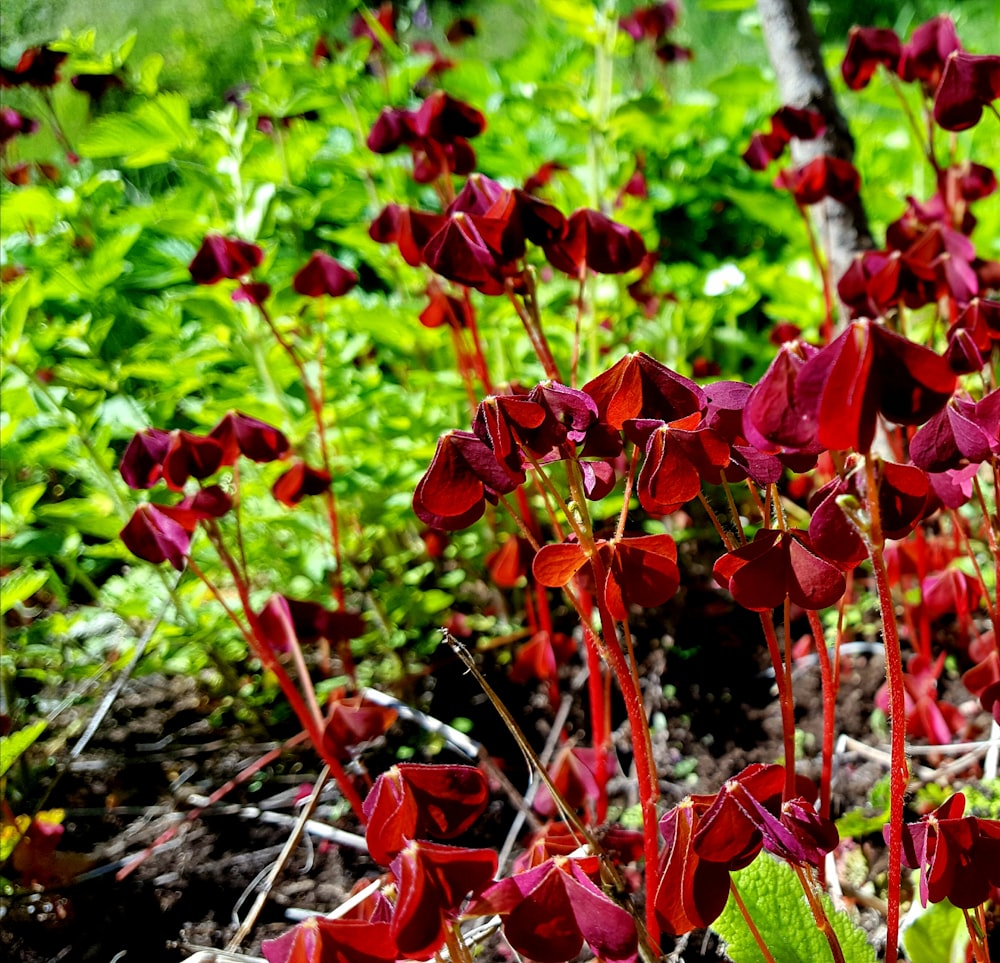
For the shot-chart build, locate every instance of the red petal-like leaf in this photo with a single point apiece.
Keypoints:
(142, 463)
(555, 565)
(239, 434)
(156, 537)
(323, 274)
(298, 482)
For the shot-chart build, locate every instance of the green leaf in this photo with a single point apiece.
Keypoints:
(149, 74)
(776, 904)
(31, 209)
(151, 135)
(937, 935)
(15, 745)
(572, 12)
(21, 297)
(19, 585)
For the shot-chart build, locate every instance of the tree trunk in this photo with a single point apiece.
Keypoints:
(793, 48)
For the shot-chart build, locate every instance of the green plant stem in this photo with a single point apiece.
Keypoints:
(899, 773)
(819, 915)
(980, 948)
(751, 925)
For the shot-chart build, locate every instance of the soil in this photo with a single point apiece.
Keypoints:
(155, 756)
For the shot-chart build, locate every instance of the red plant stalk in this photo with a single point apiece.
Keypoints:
(991, 525)
(628, 682)
(963, 538)
(977, 939)
(899, 774)
(578, 330)
(824, 272)
(596, 678)
(478, 357)
(819, 915)
(923, 640)
(783, 680)
(528, 313)
(312, 723)
(751, 925)
(830, 688)
(315, 399)
(649, 789)
(465, 367)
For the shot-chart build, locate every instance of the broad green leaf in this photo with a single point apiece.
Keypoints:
(25, 499)
(20, 299)
(572, 12)
(776, 904)
(152, 134)
(149, 73)
(15, 745)
(31, 209)
(21, 584)
(937, 935)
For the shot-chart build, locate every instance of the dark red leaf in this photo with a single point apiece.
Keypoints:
(323, 274)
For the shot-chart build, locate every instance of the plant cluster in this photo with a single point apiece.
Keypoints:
(848, 460)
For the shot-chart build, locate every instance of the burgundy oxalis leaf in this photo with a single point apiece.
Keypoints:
(241, 434)
(776, 565)
(549, 911)
(323, 274)
(413, 800)
(223, 257)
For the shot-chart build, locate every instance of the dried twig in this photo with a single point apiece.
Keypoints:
(293, 840)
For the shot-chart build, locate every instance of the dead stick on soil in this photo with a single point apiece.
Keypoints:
(529, 796)
(293, 841)
(108, 701)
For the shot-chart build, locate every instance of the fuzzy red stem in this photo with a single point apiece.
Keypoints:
(260, 648)
(829, 712)
(899, 774)
(649, 790)
(784, 699)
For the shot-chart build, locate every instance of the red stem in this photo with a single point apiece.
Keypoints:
(785, 701)
(751, 925)
(316, 407)
(259, 646)
(824, 273)
(649, 790)
(829, 712)
(534, 332)
(899, 774)
(479, 358)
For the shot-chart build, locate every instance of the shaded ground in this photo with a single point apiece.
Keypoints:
(155, 756)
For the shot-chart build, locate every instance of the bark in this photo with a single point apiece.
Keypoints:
(793, 48)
